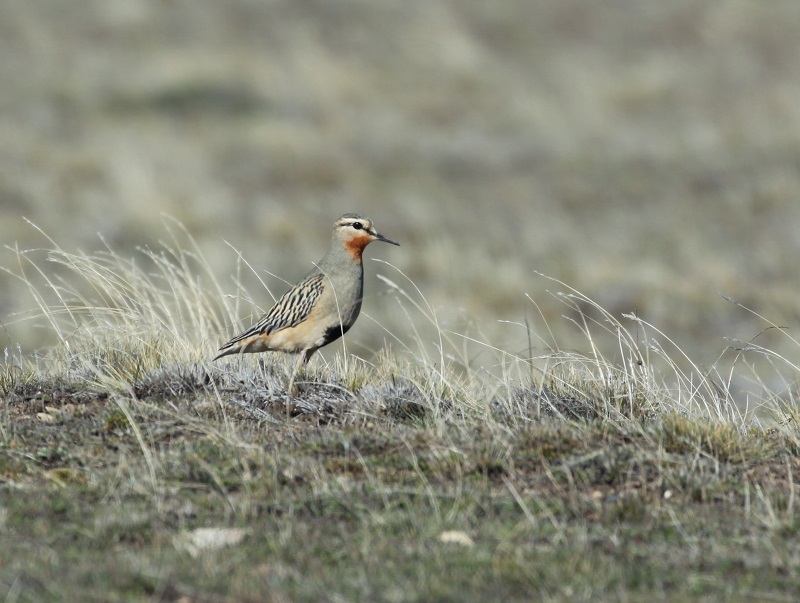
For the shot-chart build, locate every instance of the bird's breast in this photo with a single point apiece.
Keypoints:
(355, 246)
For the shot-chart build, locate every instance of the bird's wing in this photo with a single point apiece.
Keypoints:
(291, 309)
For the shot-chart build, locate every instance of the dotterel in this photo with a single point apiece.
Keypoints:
(323, 306)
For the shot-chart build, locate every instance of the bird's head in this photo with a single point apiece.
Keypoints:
(355, 232)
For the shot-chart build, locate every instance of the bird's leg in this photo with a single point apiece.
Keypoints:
(303, 359)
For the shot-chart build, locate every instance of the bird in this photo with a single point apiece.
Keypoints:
(321, 307)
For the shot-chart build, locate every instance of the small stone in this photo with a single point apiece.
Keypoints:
(456, 537)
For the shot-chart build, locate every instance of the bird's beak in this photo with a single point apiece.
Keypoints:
(380, 237)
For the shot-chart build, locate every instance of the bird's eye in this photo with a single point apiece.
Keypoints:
(358, 225)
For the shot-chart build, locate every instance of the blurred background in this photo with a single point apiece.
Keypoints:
(647, 154)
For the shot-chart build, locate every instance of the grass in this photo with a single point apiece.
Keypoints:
(598, 447)
(132, 468)
(644, 154)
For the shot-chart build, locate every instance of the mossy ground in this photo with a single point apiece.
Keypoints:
(105, 496)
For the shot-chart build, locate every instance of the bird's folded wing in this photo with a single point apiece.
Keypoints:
(291, 309)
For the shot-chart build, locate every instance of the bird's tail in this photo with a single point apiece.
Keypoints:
(225, 351)
(244, 344)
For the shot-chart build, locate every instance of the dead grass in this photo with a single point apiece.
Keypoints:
(158, 475)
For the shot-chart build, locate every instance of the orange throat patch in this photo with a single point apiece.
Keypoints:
(355, 246)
